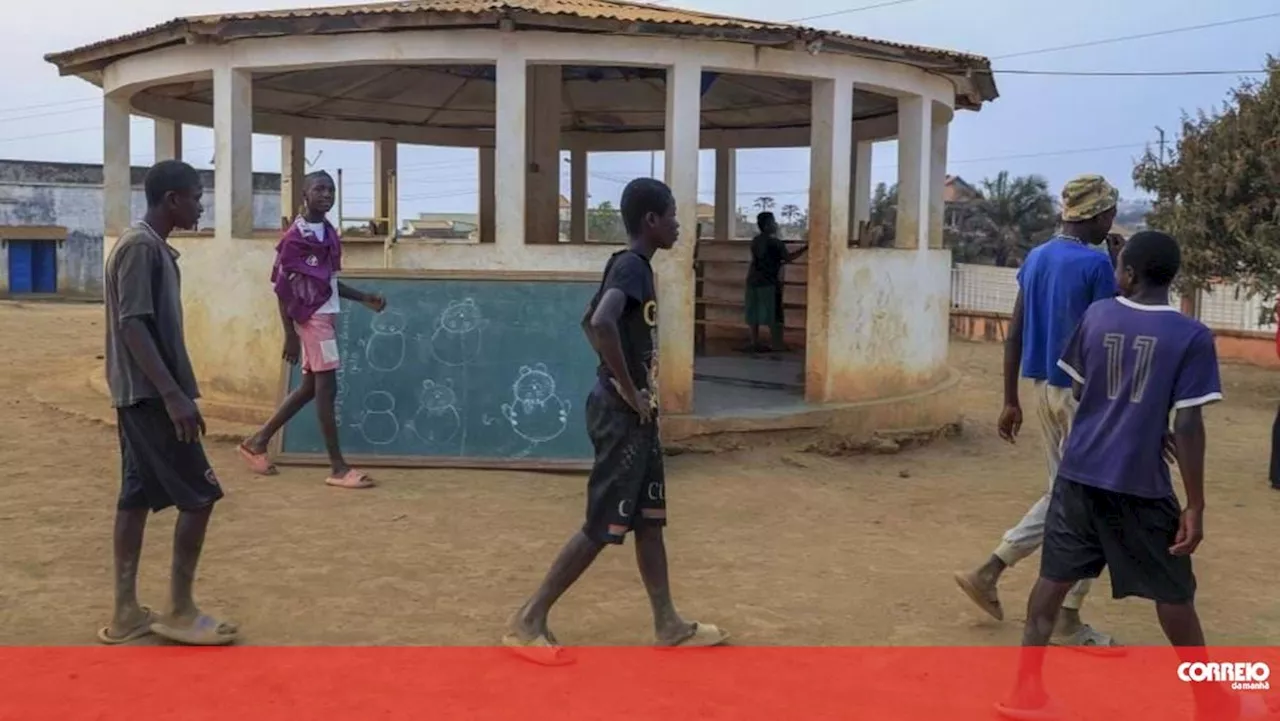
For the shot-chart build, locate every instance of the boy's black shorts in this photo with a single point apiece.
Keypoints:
(156, 469)
(627, 486)
(1088, 528)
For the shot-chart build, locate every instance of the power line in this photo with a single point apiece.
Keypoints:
(1019, 156)
(51, 113)
(847, 11)
(1046, 154)
(49, 105)
(59, 132)
(1128, 73)
(1139, 36)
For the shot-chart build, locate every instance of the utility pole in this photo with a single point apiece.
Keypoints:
(1161, 131)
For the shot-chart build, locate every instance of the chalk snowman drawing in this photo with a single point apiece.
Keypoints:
(535, 412)
(437, 420)
(385, 348)
(377, 422)
(457, 336)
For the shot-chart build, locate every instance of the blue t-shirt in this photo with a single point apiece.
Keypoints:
(1059, 280)
(1136, 363)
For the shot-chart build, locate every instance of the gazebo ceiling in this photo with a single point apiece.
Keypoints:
(594, 99)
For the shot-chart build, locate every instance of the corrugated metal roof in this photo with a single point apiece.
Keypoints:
(656, 18)
(612, 9)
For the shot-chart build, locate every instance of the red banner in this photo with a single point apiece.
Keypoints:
(623, 684)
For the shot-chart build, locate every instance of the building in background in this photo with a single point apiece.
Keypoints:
(51, 224)
(446, 227)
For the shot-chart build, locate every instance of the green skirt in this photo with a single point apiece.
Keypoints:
(762, 305)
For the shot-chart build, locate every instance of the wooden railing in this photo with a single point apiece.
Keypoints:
(720, 272)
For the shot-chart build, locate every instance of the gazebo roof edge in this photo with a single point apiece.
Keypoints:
(606, 16)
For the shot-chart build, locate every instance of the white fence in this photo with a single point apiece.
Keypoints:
(988, 289)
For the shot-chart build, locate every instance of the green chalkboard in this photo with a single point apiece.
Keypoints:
(459, 371)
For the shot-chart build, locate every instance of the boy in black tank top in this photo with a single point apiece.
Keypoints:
(627, 487)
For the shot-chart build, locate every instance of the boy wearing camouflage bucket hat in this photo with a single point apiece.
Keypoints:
(1058, 282)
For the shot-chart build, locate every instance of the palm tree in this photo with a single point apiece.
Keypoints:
(1012, 216)
(882, 226)
(764, 203)
(790, 213)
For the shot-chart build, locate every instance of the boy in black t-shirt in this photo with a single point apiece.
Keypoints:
(627, 487)
(764, 283)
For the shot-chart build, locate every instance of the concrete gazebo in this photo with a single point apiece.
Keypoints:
(522, 80)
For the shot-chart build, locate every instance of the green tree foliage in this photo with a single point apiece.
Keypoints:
(1012, 216)
(882, 227)
(604, 224)
(1219, 193)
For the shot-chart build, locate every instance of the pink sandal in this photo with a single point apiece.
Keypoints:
(257, 462)
(351, 479)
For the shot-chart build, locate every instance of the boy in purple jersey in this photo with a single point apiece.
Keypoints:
(1132, 360)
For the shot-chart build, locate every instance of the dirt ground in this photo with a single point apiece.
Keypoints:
(779, 547)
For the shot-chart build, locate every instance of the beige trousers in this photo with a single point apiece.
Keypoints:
(1055, 407)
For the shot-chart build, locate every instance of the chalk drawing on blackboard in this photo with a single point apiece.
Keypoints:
(437, 420)
(377, 422)
(535, 412)
(385, 348)
(456, 340)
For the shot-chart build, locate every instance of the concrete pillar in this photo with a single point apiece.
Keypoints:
(915, 134)
(116, 185)
(578, 184)
(293, 168)
(542, 213)
(233, 152)
(168, 140)
(487, 198)
(860, 190)
(384, 170)
(674, 268)
(726, 193)
(509, 150)
(830, 152)
(937, 180)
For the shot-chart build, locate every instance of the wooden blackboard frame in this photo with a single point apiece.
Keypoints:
(278, 455)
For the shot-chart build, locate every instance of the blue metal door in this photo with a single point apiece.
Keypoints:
(44, 267)
(20, 277)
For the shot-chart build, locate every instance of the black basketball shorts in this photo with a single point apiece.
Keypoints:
(1088, 528)
(156, 469)
(627, 487)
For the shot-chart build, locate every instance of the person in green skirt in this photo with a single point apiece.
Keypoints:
(764, 283)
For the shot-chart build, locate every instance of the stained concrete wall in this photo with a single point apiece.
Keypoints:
(70, 195)
(889, 322)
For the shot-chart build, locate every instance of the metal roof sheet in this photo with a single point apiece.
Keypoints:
(658, 19)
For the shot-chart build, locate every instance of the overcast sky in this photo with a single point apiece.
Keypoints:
(1055, 126)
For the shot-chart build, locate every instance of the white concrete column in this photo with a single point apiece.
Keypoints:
(293, 168)
(116, 185)
(674, 268)
(168, 140)
(385, 154)
(233, 152)
(937, 180)
(860, 189)
(509, 151)
(578, 183)
(542, 214)
(830, 153)
(915, 134)
(487, 199)
(726, 193)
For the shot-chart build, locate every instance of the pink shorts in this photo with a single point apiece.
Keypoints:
(319, 343)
